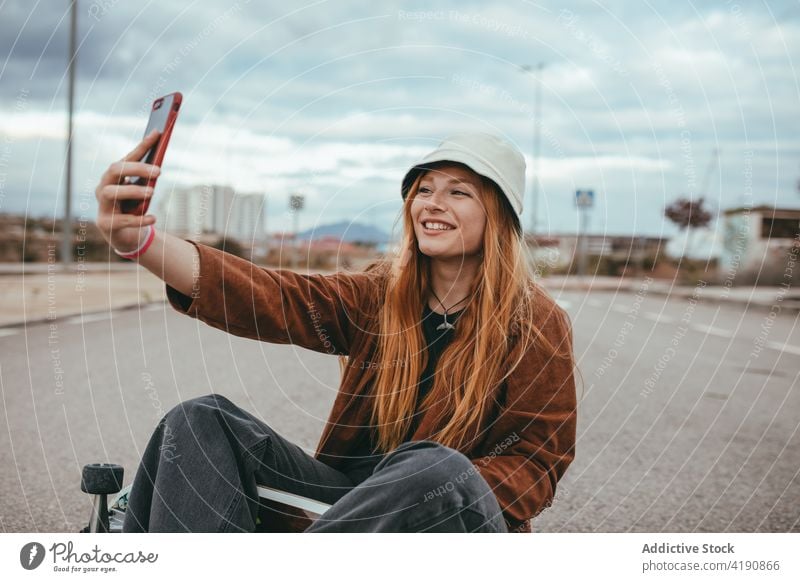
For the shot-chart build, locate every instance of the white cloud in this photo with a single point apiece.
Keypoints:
(336, 100)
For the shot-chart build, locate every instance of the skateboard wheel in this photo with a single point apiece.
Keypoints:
(101, 478)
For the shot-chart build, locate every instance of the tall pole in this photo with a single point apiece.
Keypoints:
(537, 131)
(66, 240)
(264, 232)
(296, 229)
(583, 256)
(296, 204)
(584, 199)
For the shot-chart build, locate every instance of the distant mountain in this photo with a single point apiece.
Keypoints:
(346, 231)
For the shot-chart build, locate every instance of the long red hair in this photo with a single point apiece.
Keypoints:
(478, 359)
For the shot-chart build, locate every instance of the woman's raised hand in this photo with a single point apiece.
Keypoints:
(123, 231)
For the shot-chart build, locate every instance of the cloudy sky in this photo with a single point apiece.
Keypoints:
(335, 99)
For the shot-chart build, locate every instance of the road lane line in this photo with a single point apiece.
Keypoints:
(784, 348)
(658, 317)
(89, 317)
(709, 330)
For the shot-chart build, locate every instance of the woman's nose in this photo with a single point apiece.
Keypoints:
(435, 200)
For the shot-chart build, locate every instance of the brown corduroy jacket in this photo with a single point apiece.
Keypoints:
(528, 440)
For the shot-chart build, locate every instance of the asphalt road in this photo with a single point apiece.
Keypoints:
(688, 419)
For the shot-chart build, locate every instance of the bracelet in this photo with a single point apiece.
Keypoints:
(142, 248)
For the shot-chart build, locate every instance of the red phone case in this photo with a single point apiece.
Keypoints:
(139, 207)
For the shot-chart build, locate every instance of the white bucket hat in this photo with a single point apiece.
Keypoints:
(484, 153)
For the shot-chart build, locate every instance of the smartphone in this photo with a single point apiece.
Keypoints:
(163, 114)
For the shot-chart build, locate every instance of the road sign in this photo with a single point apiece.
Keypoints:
(296, 202)
(584, 198)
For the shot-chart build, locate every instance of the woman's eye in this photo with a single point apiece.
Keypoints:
(460, 192)
(424, 191)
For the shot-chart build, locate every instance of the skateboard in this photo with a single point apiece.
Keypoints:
(101, 480)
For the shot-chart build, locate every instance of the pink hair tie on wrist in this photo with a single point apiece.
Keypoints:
(142, 248)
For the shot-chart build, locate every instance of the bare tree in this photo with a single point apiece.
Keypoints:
(691, 214)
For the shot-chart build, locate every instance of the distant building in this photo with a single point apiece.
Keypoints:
(210, 209)
(221, 198)
(760, 245)
(620, 252)
(186, 212)
(329, 243)
(246, 219)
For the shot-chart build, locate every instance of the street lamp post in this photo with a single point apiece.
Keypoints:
(584, 200)
(537, 130)
(66, 231)
(296, 204)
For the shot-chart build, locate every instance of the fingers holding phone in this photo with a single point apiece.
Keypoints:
(119, 228)
(127, 186)
(163, 115)
(139, 153)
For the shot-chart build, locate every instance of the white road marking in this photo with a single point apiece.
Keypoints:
(7, 332)
(784, 348)
(89, 317)
(709, 330)
(658, 317)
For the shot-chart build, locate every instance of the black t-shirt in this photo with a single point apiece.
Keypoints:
(360, 467)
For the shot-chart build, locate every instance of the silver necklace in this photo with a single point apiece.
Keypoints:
(446, 324)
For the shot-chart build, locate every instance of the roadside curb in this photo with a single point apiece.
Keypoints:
(778, 304)
(65, 316)
(783, 305)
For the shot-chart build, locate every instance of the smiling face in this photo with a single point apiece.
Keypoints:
(447, 212)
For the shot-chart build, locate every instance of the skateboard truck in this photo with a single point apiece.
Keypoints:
(100, 480)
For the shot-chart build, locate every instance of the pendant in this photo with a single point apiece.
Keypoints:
(446, 325)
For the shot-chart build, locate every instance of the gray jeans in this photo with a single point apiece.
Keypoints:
(201, 466)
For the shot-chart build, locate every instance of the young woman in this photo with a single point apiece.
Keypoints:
(457, 406)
